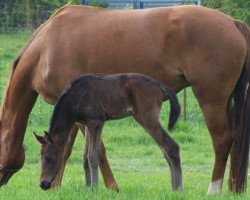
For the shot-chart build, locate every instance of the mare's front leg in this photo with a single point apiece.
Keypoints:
(66, 154)
(94, 148)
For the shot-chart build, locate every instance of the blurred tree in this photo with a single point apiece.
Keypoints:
(212, 3)
(16, 14)
(239, 9)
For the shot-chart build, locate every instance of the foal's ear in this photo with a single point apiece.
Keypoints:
(40, 139)
(47, 137)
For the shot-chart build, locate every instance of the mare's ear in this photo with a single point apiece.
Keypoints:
(40, 139)
(47, 137)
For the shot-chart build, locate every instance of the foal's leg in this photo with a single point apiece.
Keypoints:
(171, 153)
(107, 174)
(149, 120)
(94, 149)
(66, 154)
(85, 158)
(108, 177)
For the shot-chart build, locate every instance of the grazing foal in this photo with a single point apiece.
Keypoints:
(95, 98)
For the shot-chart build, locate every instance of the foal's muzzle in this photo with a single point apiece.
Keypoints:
(45, 185)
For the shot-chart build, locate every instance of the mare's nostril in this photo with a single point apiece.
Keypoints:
(45, 185)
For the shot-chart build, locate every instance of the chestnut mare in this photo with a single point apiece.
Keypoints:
(178, 46)
(95, 98)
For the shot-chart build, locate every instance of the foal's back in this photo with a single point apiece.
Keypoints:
(112, 96)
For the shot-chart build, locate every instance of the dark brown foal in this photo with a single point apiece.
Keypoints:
(93, 99)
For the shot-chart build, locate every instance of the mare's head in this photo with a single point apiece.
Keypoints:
(51, 159)
(11, 159)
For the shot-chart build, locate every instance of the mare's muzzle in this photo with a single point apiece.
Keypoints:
(6, 174)
(5, 177)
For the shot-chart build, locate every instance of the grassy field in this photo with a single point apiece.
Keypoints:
(137, 163)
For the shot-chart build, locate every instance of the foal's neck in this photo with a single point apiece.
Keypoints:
(62, 120)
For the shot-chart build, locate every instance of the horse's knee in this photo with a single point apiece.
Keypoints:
(93, 161)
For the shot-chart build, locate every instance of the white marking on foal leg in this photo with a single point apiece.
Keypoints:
(181, 188)
(215, 187)
(177, 183)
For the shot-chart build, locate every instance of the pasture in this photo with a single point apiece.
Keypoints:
(137, 163)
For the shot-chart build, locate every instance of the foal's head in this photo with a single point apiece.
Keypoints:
(51, 160)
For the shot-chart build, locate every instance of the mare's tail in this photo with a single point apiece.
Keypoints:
(174, 106)
(239, 112)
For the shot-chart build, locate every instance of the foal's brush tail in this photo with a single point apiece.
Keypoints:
(174, 106)
(239, 112)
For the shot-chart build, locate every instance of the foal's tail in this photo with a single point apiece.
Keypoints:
(174, 106)
(239, 112)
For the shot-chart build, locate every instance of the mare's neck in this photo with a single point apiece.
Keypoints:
(17, 104)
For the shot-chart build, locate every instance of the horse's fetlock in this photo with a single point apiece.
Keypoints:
(173, 153)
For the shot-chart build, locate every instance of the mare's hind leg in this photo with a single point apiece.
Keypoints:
(66, 154)
(108, 177)
(214, 109)
(217, 123)
(149, 119)
(94, 149)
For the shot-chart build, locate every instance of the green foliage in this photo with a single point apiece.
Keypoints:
(76, 2)
(98, 4)
(239, 9)
(212, 3)
(17, 14)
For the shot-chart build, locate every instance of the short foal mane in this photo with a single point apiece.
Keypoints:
(62, 97)
(57, 107)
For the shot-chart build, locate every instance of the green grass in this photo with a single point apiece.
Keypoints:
(137, 163)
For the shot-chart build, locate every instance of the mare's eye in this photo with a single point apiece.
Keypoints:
(48, 159)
